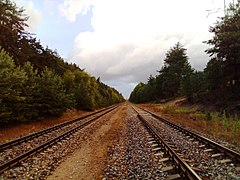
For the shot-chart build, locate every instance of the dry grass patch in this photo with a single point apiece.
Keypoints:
(30, 127)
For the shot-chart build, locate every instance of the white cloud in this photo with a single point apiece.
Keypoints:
(71, 8)
(131, 37)
(33, 14)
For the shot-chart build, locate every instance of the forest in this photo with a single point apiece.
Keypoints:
(218, 84)
(35, 81)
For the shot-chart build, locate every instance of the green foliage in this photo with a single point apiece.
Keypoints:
(24, 95)
(208, 116)
(12, 24)
(194, 86)
(219, 83)
(137, 95)
(173, 79)
(220, 80)
(92, 94)
(12, 80)
(27, 95)
(224, 120)
(225, 63)
(30, 92)
(22, 46)
(35, 81)
(235, 124)
(52, 97)
(175, 73)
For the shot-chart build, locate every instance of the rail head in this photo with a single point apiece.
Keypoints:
(48, 143)
(187, 171)
(233, 154)
(19, 140)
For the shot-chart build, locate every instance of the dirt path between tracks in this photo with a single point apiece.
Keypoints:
(88, 162)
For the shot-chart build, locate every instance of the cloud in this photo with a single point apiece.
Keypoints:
(49, 7)
(71, 8)
(33, 14)
(130, 38)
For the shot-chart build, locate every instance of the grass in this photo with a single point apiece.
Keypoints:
(221, 126)
(215, 124)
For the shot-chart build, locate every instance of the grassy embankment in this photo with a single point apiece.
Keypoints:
(213, 123)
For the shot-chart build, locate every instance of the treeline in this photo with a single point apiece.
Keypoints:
(36, 82)
(175, 78)
(218, 83)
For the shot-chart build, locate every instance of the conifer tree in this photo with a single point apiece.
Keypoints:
(175, 71)
(12, 80)
(225, 53)
(52, 97)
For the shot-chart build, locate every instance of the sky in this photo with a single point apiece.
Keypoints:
(123, 41)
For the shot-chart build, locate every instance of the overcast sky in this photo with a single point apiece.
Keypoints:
(123, 41)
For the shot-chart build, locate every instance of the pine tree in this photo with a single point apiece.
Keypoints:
(12, 24)
(12, 80)
(225, 53)
(175, 71)
(31, 93)
(53, 99)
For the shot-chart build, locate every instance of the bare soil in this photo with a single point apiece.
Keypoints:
(89, 161)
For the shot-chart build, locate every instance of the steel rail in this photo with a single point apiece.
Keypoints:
(233, 154)
(186, 171)
(50, 142)
(44, 131)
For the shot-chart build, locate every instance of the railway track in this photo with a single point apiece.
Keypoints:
(190, 151)
(159, 149)
(179, 166)
(208, 142)
(14, 152)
